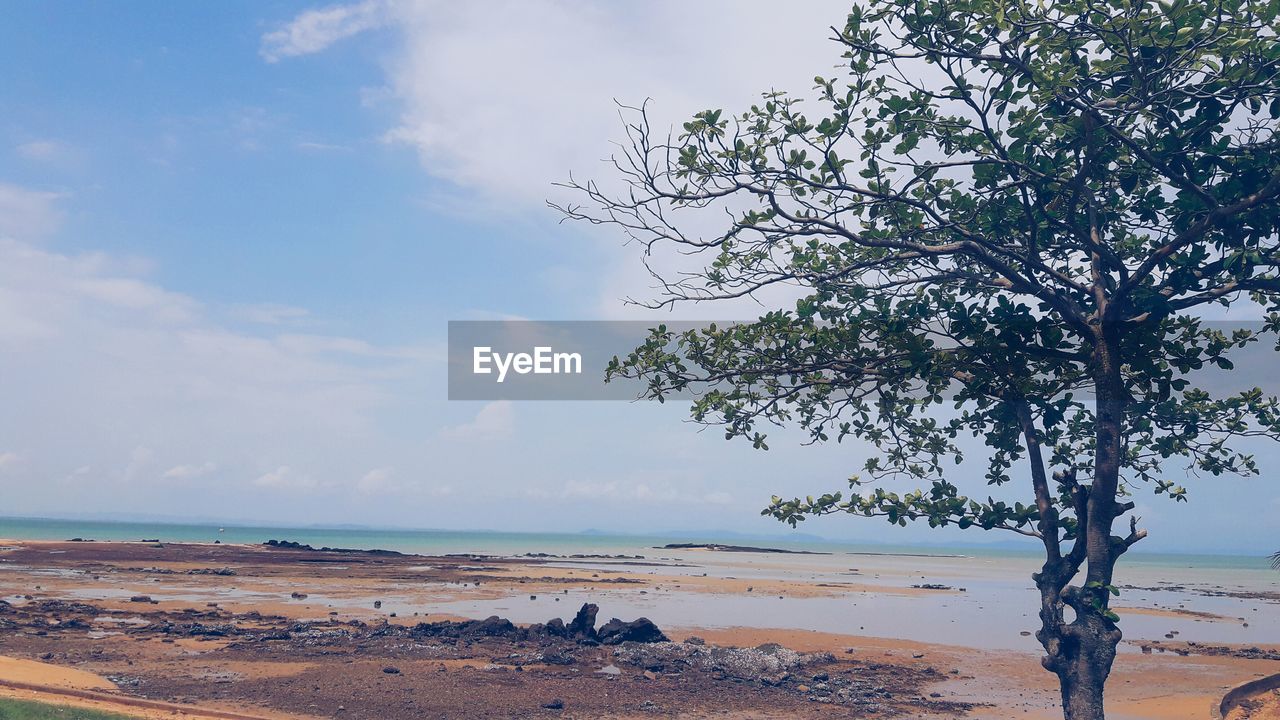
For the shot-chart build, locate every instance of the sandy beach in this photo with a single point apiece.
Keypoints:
(234, 631)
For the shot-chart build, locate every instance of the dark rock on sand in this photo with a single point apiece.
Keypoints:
(492, 626)
(616, 632)
(583, 624)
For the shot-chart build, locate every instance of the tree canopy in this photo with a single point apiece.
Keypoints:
(1007, 220)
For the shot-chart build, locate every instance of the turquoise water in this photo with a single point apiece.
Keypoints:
(506, 543)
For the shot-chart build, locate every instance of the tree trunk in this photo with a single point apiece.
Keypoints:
(1081, 698)
(1082, 652)
(1084, 673)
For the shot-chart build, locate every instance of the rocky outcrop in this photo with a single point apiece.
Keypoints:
(291, 545)
(583, 625)
(492, 626)
(581, 629)
(642, 630)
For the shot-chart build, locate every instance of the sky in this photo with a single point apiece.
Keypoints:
(232, 234)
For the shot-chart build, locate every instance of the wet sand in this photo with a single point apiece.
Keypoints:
(129, 621)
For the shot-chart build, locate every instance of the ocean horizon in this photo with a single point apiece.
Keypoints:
(512, 543)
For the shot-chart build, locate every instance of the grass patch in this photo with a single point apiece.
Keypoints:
(27, 710)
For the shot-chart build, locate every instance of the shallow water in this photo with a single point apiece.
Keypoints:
(999, 602)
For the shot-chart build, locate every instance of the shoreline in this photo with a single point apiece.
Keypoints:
(92, 595)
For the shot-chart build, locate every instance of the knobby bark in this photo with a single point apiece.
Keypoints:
(1082, 650)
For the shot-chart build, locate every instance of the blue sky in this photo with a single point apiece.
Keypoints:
(245, 180)
(232, 234)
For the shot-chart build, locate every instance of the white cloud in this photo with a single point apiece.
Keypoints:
(502, 99)
(328, 344)
(139, 296)
(537, 99)
(320, 147)
(139, 379)
(384, 482)
(7, 459)
(187, 472)
(269, 313)
(141, 458)
(718, 498)
(315, 30)
(494, 420)
(28, 214)
(376, 482)
(506, 98)
(42, 150)
(285, 477)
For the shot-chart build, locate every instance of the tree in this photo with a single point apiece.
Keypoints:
(1006, 221)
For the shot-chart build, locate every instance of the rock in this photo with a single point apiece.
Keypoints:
(616, 632)
(650, 675)
(802, 688)
(583, 624)
(298, 595)
(140, 599)
(377, 604)
(610, 670)
(695, 640)
(769, 661)
(494, 626)
(558, 658)
(391, 670)
(556, 704)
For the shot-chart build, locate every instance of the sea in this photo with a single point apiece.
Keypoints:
(491, 542)
(990, 603)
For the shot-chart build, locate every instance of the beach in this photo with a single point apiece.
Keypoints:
(232, 629)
